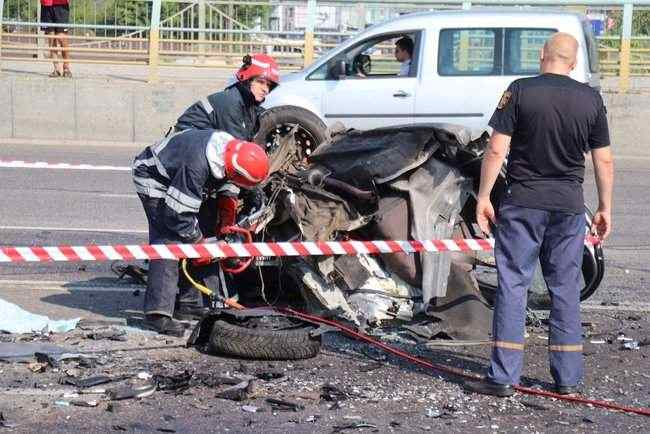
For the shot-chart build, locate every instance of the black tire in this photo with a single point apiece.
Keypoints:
(295, 343)
(593, 266)
(279, 121)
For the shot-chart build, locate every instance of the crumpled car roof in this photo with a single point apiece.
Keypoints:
(361, 158)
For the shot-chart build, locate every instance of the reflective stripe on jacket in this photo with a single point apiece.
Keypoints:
(178, 169)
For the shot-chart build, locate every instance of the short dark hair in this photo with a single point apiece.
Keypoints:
(405, 43)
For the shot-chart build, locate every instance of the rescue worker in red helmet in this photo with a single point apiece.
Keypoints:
(171, 178)
(236, 109)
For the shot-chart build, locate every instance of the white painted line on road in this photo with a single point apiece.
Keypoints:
(59, 229)
(61, 286)
(118, 195)
(19, 164)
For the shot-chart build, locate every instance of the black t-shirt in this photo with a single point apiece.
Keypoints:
(553, 121)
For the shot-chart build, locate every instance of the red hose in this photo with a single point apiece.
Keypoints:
(456, 371)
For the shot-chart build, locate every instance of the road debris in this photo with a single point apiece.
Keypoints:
(354, 425)
(249, 408)
(332, 393)
(14, 319)
(84, 383)
(177, 383)
(282, 405)
(630, 345)
(239, 392)
(128, 392)
(110, 333)
(4, 423)
(81, 403)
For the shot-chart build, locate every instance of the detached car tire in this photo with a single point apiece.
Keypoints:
(259, 343)
(279, 121)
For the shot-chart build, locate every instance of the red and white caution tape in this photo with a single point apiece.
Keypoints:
(44, 165)
(223, 250)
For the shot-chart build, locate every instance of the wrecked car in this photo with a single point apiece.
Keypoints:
(414, 182)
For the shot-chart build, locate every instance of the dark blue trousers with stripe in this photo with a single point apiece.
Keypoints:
(524, 235)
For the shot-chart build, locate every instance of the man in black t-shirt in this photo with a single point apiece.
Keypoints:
(547, 123)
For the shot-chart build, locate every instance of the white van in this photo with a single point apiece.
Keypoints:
(462, 62)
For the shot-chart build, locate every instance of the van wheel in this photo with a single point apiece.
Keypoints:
(277, 122)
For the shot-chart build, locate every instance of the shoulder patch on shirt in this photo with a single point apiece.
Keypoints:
(505, 100)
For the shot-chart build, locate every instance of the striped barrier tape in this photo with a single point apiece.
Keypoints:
(44, 165)
(222, 250)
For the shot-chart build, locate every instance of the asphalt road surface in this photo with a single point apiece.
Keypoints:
(54, 207)
(77, 207)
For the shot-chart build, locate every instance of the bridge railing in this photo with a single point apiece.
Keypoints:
(212, 33)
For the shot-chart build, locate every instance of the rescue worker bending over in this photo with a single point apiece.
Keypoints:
(236, 109)
(171, 178)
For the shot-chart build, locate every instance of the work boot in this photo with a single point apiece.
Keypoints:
(566, 390)
(163, 325)
(189, 312)
(489, 388)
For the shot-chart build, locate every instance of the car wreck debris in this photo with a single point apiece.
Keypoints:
(239, 392)
(129, 392)
(282, 405)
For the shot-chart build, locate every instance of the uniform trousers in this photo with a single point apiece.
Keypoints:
(524, 235)
(166, 287)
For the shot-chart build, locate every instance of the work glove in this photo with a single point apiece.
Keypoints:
(227, 212)
(201, 262)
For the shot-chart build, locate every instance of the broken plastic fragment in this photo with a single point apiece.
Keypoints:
(87, 382)
(238, 392)
(631, 345)
(249, 408)
(131, 392)
(282, 405)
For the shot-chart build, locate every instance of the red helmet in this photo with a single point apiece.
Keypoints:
(259, 65)
(246, 163)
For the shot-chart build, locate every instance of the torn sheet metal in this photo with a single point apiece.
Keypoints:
(463, 312)
(14, 319)
(24, 351)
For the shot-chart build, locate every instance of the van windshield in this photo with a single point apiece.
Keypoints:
(592, 47)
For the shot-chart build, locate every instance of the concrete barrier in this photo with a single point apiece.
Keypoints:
(93, 110)
(122, 111)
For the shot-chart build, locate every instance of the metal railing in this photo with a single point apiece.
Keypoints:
(218, 32)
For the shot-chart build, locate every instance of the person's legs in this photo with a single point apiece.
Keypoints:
(63, 42)
(47, 16)
(52, 43)
(519, 235)
(561, 259)
(162, 276)
(62, 16)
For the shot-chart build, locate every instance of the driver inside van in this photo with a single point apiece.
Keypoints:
(403, 54)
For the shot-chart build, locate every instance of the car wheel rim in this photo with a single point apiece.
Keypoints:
(305, 140)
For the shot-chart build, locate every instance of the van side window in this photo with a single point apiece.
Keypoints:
(522, 47)
(469, 52)
(376, 57)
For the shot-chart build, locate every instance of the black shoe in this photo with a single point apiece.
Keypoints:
(163, 325)
(189, 312)
(566, 390)
(489, 388)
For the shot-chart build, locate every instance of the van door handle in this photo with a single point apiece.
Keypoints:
(401, 94)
